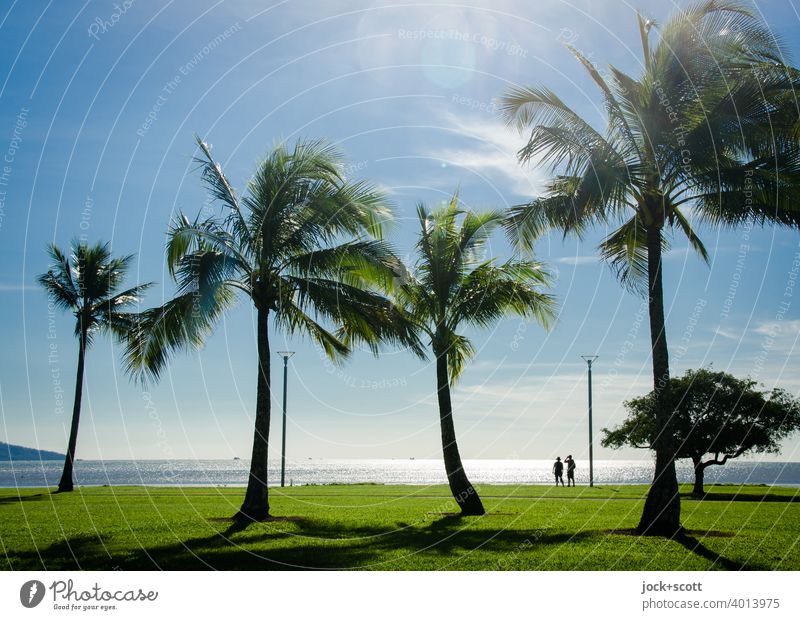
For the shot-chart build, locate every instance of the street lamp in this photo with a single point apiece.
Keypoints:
(285, 355)
(589, 359)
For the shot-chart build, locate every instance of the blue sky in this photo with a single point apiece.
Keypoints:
(98, 105)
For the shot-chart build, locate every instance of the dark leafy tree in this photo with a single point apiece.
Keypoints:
(452, 286)
(709, 125)
(86, 283)
(303, 245)
(715, 415)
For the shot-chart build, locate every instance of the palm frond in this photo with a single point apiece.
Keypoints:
(60, 278)
(181, 323)
(185, 238)
(530, 107)
(111, 315)
(625, 250)
(527, 223)
(221, 189)
(459, 351)
(618, 120)
(364, 263)
(476, 229)
(492, 292)
(644, 35)
(694, 241)
(58, 290)
(363, 316)
(765, 189)
(295, 321)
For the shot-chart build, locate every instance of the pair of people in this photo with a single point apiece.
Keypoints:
(558, 470)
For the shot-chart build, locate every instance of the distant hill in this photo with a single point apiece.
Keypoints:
(9, 452)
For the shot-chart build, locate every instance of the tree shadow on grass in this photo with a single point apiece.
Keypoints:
(712, 496)
(18, 499)
(293, 543)
(690, 543)
(73, 553)
(688, 540)
(306, 544)
(337, 546)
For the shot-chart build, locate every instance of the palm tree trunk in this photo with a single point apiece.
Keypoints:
(464, 493)
(66, 483)
(662, 508)
(256, 499)
(699, 476)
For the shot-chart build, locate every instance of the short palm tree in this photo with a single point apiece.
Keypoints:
(706, 126)
(86, 283)
(302, 243)
(452, 286)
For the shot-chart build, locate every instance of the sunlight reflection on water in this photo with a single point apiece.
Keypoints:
(383, 471)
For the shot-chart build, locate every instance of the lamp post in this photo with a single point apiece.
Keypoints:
(285, 355)
(589, 359)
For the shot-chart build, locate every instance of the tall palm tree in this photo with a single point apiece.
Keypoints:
(451, 286)
(708, 125)
(86, 283)
(302, 243)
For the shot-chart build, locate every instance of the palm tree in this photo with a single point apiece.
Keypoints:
(451, 285)
(85, 283)
(709, 125)
(301, 243)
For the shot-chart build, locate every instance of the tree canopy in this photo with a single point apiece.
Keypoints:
(713, 413)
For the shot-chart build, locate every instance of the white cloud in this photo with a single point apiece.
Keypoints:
(493, 153)
(781, 338)
(578, 260)
(385, 189)
(543, 411)
(551, 397)
(727, 333)
(776, 328)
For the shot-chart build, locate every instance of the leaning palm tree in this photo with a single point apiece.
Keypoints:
(85, 283)
(451, 286)
(302, 244)
(708, 125)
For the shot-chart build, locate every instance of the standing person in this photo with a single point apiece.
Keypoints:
(558, 470)
(570, 470)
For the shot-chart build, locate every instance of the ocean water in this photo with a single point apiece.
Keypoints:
(381, 471)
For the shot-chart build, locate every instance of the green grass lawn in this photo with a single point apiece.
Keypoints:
(394, 527)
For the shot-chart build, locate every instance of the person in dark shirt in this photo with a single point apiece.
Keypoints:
(570, 463)
(558, 470)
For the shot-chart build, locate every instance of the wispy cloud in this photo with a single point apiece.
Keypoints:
(556, 396)
(781, 337)
(727, 333)
(491, 152)
(783, 328)
(578, 260)
(384, 189)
